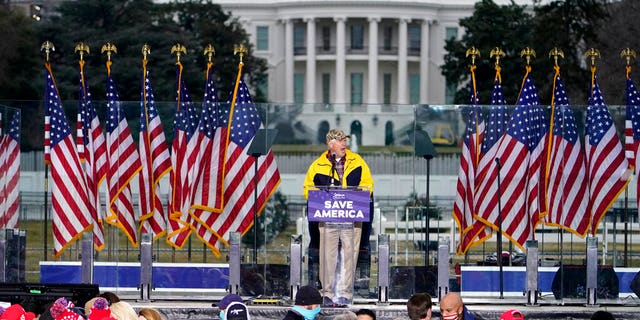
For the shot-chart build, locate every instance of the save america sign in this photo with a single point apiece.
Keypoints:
(338, 205)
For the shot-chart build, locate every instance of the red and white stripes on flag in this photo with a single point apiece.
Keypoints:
(124, 164)
(239, 187)
(607, 167)
(632, 122)
(209, 163)
(464, 204)
(156, 162)
(495, 128)
(463, 209)
(10, 171)
(519, 202)
(632, 129)
(69, 201)
(182, 159)
(93, 150)
(567, 185)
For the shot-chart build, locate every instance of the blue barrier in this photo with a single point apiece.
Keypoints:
(199, 276)
(484, 281)
(480, 281)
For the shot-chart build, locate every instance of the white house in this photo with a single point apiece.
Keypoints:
(352, 53)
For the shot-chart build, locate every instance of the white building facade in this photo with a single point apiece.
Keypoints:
(348, 53)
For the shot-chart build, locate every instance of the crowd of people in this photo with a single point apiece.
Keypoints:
(307, 305)
(106, 306)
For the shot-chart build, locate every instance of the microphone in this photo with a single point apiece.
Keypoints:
(333, 167)
(498, 163)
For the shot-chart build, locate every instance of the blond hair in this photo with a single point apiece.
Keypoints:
(150, 314)
(122, 310)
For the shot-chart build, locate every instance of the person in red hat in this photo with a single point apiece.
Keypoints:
(16, 312)
(512, 314)
(61, 310)
(100, 310)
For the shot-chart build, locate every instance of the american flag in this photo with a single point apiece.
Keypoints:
(4, 139)
(237, 215)
(10, 171)
(632, 131)
(156, 162)
(567, 183)
(496, 127)
(607, 167)
(69, 201)
(465, 188)
(521, 152)
(632, 123)
(210, 153)
(208, 165)
(124, 164)
(182, 159)
(93, 148)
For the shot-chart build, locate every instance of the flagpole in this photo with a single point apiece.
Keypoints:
(146, 50)
(497, 52)
(499, 243)
(46, 209)
(627, 53)
(242, 50)
(47, 47)
(555, 53)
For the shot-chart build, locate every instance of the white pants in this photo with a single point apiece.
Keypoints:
(349, 235)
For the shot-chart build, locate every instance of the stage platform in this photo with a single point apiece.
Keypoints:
(482, 309)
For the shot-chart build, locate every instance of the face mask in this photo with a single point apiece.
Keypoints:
(306, 313)
(450, 317)
(222, 315)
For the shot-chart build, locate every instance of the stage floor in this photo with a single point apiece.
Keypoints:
(483, 309)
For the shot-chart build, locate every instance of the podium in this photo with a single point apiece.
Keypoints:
(337, 204)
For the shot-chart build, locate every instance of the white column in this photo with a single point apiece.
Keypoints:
(424, 61)
(340, 61)
(402, 61)
(288, 60)
(310, 79)
(373, 60)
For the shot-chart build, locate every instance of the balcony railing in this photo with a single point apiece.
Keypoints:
(382, 50)
(386, 50)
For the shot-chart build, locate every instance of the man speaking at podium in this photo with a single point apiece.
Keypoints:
(340, 168)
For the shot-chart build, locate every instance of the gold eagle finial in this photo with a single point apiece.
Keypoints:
(592, 54)
(473, 52)
(528, 53)
(555, 53)
(240, 50)
(209, 51)
(498, 53)
(109, 48)
(178, 49)
(47, 47)
(82, 48)
(628, 53)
